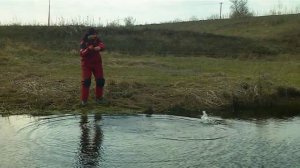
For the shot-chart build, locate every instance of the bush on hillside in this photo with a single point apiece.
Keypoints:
(239, 9)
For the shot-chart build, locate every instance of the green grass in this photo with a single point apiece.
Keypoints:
(50, 80)
(149, 69)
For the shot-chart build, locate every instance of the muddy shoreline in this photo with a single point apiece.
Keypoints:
(134, 98)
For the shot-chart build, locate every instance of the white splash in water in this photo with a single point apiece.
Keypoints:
(205, 119)
(204, 116)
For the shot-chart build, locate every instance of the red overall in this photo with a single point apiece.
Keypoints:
(91, 62)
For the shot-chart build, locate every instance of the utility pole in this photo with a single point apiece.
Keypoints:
(221, 4)
(49, 14)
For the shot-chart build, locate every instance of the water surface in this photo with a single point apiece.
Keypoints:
(141, 141)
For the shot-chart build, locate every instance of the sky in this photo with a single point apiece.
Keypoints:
(143, 11)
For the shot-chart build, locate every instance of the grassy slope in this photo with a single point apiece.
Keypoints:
(277, 31)
(41, 73)
(265, 27)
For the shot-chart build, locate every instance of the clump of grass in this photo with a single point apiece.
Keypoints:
(288, 92)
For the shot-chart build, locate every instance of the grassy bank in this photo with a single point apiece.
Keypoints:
(42, 81)
(157, 68)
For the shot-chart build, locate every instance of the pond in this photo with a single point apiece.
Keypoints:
(147, 141)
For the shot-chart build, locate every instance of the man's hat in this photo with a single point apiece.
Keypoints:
(91, 31)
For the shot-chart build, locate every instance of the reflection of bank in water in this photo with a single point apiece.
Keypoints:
(89, 153)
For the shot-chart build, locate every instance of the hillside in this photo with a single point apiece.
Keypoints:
(264, 27)
(280, 31)
(251, 37)
(138, 41)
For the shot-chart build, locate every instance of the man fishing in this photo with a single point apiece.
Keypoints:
(91, 63)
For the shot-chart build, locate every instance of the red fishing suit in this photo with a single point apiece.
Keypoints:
(91, 63)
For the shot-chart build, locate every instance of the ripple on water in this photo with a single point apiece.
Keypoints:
(140, 141)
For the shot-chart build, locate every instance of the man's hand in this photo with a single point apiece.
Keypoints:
(97, 48)
(91, 47)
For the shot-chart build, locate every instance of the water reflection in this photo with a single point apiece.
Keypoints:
(90, 142)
